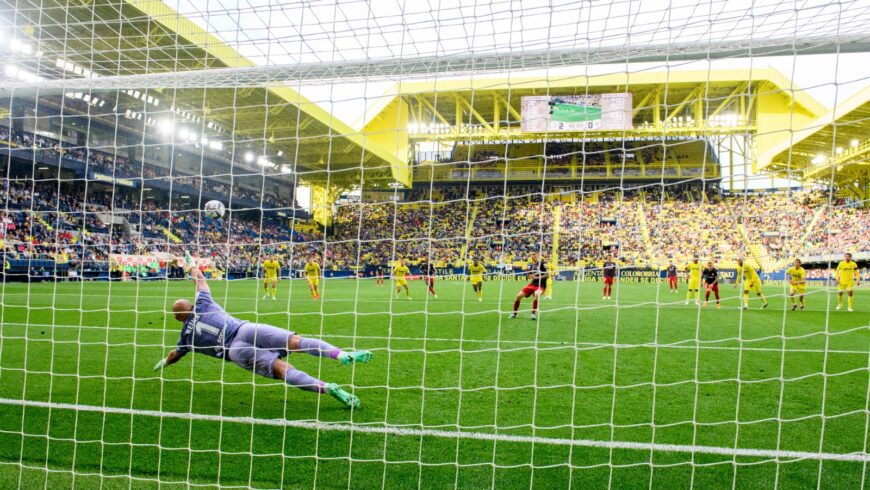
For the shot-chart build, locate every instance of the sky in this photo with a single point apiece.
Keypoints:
(329, 31)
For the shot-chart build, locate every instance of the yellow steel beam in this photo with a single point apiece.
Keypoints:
(695, 93)
(747, 110)
(853, 156)
(496, 113)
(482, 120)
(457, 115)
(433, 110)
(643, 102)
(176, 23)
(727, 100)
(155, 35)
(322, 198)
(412, 112)
(513, 112)
(419, 111)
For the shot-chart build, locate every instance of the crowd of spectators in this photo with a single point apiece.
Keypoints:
(41, 221)
(110, 163)
(643, 228)
(46, 220)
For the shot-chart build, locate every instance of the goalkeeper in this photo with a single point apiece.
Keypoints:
(259, 348)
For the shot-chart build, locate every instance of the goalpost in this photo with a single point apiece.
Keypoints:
(588, 139)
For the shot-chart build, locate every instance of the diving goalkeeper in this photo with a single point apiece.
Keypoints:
(259, 348)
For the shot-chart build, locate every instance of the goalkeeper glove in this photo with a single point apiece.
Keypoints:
(189, 263)
(160, 365)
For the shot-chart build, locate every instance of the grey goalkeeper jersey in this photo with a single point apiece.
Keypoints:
(210, 330)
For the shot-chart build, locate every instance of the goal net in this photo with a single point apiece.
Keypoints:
(566, 231)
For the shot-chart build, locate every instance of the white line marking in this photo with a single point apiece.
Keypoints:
(860, 457)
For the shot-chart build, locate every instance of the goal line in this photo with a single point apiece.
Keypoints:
(778, 454)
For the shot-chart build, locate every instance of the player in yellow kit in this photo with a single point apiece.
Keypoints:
(694, 269)
(751, 281)
(847, 278)
(475, 272)
(552, 268)
(798, 280)
(400, 278)
(271, 269)
(312, 274)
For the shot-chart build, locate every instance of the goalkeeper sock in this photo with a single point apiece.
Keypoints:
(849, 300)
(516, 305)
(535, 305)
(303, 381)
(746, 299)
(318, 348)
(688, 295)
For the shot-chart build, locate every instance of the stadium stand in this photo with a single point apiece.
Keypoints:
(46, 220)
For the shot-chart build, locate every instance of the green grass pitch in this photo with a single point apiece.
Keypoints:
(667, 374)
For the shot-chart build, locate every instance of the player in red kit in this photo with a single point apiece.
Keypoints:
(711, 283)
(428, 271)
(672, 278)
(538, 274)
(379, 274)
(609, 273)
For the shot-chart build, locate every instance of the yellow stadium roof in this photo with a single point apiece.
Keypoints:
(130, 37)
(134, 37)
(834, 146)
(671, 102)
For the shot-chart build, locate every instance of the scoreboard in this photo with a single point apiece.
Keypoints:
(547, 113)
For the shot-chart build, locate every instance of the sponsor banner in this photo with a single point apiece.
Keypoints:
(639, 273)
(137, 260)
(114, 180)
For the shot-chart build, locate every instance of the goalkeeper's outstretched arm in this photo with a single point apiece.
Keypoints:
(183, 308)
(200, 281)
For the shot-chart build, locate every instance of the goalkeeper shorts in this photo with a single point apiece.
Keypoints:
(257, 346)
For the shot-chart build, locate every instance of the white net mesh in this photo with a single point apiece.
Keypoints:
(417, 181)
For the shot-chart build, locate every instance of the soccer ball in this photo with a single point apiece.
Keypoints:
(214, 209)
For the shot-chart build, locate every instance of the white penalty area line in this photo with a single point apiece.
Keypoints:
(778, 454)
